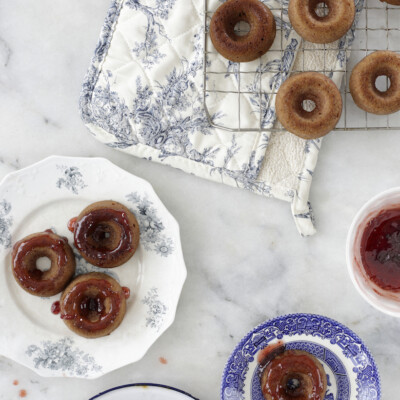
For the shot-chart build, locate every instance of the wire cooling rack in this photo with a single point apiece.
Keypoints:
(378, 29)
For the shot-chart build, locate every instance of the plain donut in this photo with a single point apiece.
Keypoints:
(250, 46)
(317, 88)
(363, 88)
(310, 26)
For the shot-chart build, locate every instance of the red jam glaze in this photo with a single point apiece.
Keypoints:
(380, 249)
(77, 305)
(71, 224)
(32, 278)
(126, 291)
(89, 226)
(55, 308)
(292, 365)
(270, 352)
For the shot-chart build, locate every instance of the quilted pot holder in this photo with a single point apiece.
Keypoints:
(144, 95)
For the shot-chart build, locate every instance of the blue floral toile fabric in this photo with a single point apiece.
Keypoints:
(143, 94)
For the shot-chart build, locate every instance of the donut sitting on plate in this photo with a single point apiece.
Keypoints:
(106, 234)
(32, 279)
(294, 374)
(93, 305)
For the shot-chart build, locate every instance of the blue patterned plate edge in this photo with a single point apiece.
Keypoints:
(279, 334)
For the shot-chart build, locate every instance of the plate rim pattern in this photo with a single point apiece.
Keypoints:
(270, 323)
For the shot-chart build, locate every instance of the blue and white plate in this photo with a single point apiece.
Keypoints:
(143, 391)
(46, 195)
(350, 368)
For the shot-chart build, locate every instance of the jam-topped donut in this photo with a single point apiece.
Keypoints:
(106, 234)
(294, 375)
(250, 46)
(363, 83)
(327, 28)
(291, 105)
(93, 305)
(47, 244)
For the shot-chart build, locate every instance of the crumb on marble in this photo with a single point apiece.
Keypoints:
(15, 382)
(22, 393)
(163, 360)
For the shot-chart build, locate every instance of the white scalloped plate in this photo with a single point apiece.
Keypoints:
(46, 195)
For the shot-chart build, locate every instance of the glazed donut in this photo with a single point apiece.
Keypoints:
(320, 90)
(363, 88)
(27, 251)
(106, 234)
(316, 29)
(93, 305)
(250, 46)
(295, 374)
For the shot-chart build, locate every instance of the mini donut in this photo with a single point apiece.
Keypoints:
(28, 250)
(316, 29)
(93, 305)
(309, 86)
(106, 234)
(250, 46)
(362, 83)
(294, 374)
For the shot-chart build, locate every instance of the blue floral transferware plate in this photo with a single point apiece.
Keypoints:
(350, 368)
(143, 391)
(46, 195)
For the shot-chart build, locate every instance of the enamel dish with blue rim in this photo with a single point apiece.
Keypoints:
(46, 195)
(143, 391)
(350, 369)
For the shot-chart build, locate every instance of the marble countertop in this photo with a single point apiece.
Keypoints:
(246, 262)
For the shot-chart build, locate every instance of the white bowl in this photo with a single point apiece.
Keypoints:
(385, 301)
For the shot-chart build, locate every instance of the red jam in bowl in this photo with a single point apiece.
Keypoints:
(380, 249)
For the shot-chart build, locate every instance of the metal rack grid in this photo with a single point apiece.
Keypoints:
(378, 23)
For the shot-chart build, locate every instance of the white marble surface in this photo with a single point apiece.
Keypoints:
(246, 262)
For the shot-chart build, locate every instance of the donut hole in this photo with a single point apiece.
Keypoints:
(92, 305)
(308, 105)
(382, 83)
(242, 28)
(43, 264)
(319, 9)
(39, 264)
(292, 384)
(105, 235)
(296, 384)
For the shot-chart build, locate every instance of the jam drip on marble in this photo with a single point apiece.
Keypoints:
(380, 249)
(90, 234)
(89, 311)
